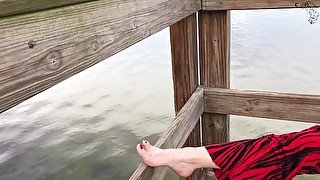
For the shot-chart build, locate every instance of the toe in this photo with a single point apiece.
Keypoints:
(140, 150)
(147, 146)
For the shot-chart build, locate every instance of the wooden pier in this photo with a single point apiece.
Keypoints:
(45, 42)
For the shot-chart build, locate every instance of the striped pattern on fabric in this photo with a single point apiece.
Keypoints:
(269, 157)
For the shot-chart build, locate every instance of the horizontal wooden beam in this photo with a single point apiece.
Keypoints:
(256, 4)
(295, 107)
(39, 50)
(176, 134)
(12, 7)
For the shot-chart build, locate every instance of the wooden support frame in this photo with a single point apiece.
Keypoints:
(256, 4)
(294, 107)
(39, 50)
(183, 35)
(176, 134)
(214, 48)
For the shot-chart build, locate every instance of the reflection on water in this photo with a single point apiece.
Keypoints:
(87, 126)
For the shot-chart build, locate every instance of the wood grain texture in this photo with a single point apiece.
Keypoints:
(255, 4)
(207, 174)
(12, 7)
(295, 107)
(214, 37)
(41, 49)
(176, 134)
(183, 35)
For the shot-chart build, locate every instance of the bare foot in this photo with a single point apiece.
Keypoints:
(182, 161)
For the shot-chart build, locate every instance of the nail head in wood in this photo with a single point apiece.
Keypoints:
(32, 44)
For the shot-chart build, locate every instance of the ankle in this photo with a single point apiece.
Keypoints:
(177, 156)
(174, 155)
(198, 157)
(191, 156)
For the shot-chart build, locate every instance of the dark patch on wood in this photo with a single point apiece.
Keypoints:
(31, 44)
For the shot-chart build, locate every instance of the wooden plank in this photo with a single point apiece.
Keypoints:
(295, 107)
(256, 4)
(12, 7)
(214, 37)
(41, 49)
(176, 134)
(207, 174)
(184, 54)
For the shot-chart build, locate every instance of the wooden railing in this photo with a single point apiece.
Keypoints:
(39, 50)
(13, 7)
(281, 106)
(44, 43)
(256, 4)
(176, 134)
(294, 107)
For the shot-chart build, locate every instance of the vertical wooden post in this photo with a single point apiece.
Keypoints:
(183, 36)
(214, 49)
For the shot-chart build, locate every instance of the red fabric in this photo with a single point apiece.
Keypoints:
(269, 157)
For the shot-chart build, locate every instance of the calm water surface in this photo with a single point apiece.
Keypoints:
(87, 126)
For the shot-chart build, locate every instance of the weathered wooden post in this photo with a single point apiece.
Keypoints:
(183, 36)
(214, 49)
